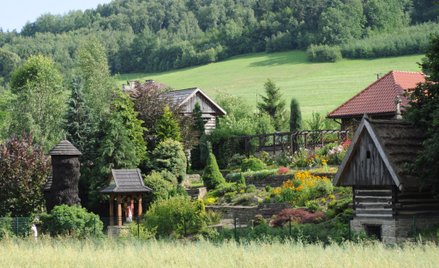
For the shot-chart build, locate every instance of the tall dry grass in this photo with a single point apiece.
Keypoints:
(109, 253)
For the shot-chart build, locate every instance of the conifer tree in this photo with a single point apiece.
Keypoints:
(167, 127)
(295, 116)
(273, 104)
(197, 161)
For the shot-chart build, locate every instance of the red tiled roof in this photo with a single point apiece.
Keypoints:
(379, 97)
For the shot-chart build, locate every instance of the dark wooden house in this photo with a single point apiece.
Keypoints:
(378, 99)
(187, 98)
(389, 199)
(184, 98)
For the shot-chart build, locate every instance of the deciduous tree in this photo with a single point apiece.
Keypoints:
(23, 172)
(41, 103)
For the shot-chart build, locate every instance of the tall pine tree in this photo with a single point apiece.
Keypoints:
(273, 104)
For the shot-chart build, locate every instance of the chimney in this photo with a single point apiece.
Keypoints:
(398, 101)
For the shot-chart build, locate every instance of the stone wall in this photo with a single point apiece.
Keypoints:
(396, 230)
(245, 214)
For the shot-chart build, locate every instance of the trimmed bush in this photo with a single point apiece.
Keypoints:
(252, 164)
(212, 176)
(72, 221)
(323, 53)
(176, 217)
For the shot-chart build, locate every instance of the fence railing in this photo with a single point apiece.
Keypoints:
(289, 142)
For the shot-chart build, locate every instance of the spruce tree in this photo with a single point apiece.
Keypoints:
(212, 176)
(167, 127)
(295, 116)
(273, 104)
(197, 161)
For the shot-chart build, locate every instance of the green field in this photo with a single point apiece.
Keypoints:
(109, 253)
(319, 87)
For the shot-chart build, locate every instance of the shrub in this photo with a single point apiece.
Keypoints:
(212, 176)
(159, 186)
(73, 221)
(282, 170)
(224, 188)
(169, 155)
(176, 217)
(235, 161)
(6, 227)
(297, 216)
(252, 164)
(323, 53)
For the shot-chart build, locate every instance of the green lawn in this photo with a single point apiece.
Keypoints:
(319, 87)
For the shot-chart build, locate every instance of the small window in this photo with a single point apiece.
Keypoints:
(373, 231)
(368, 154)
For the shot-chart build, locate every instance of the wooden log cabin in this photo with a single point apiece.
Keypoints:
(184, 98)
(389, 199)
(187, 98)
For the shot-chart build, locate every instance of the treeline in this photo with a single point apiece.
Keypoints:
(406, 41)
(158, 35)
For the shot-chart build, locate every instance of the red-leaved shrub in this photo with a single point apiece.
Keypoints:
(296, 215)
(283, 170)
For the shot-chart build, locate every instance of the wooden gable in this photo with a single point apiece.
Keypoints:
(366, 162)
(366, 167)
(208, 106)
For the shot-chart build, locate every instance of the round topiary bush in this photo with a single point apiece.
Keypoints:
(72, 221)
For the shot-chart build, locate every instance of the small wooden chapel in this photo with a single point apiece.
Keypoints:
(390, 201)
(125, 189)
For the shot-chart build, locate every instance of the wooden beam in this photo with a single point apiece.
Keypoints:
(139, 209)
(119, 210)
(111, 209)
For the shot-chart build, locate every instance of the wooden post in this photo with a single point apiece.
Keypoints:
(139, 212)
(111, 209)
(119, 210)
(132, 204)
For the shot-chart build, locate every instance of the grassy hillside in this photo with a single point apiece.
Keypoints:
(319, 87)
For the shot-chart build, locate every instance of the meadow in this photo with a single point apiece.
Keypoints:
(319, 87)
(110, 253)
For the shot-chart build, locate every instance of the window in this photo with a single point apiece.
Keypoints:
(373, 231)
(368, 154)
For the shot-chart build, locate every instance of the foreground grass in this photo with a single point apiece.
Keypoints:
(108, 253)
(319, 87)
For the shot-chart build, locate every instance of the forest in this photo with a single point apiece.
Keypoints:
(152, 35)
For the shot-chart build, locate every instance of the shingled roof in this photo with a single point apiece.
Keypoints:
(65, 148)
(379, 97)
(398, 143)
(182, 97)
(126, 181)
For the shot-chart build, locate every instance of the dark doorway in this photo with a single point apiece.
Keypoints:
(373, 231)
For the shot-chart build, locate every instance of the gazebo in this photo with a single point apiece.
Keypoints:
(126, 187)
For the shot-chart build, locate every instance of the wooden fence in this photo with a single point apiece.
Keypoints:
(290, 141)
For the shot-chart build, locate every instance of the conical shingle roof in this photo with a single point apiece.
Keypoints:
(65, 148)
